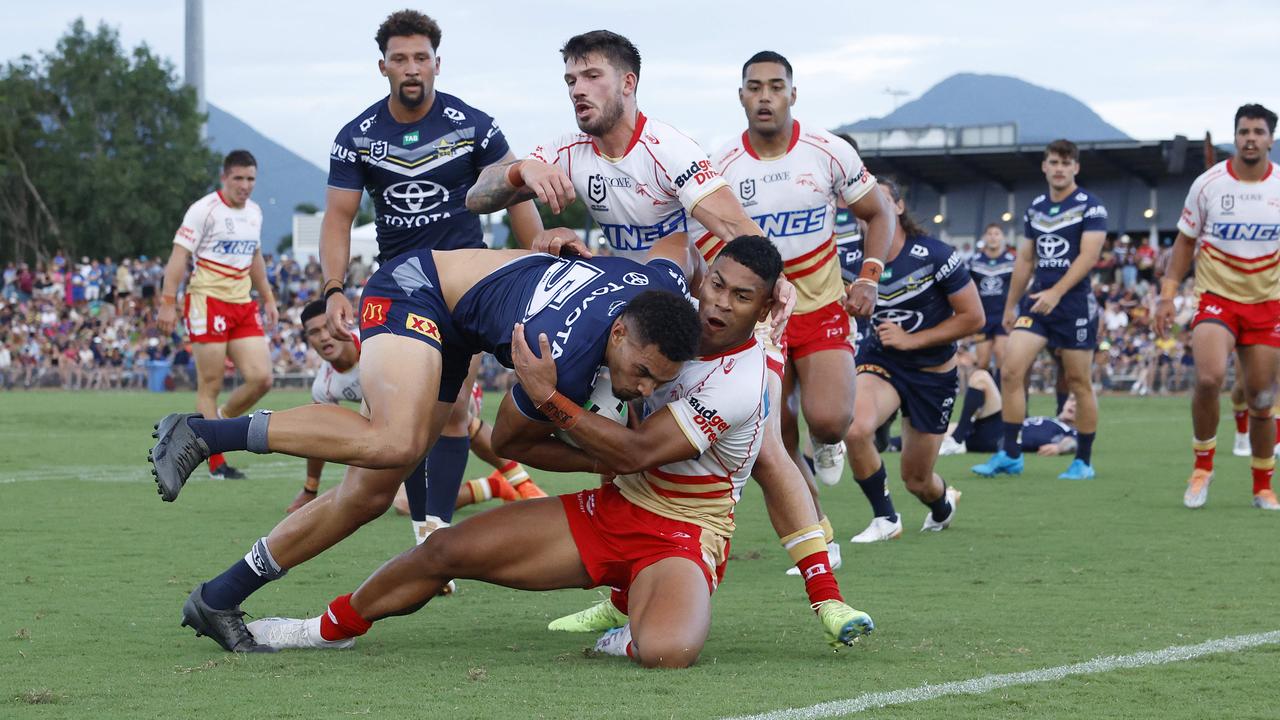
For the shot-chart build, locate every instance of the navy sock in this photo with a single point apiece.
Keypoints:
(878, 494)
(974, 399)
(446, 463)
(995, 374)
(1062, 400)
(939, 509)
(813, 469)
(415, 489)
(222, 435)
(1084, 447)
(255, 569)
(1011, 446)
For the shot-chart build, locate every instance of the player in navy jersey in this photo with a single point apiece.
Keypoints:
(981, 428)
(1063, 236)
(907, 361)
(423, 315)
(992, 269)
(416, 153)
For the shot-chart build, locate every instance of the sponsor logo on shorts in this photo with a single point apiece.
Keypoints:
(875, 370)
(422, 326)
(1025, 321)
(1213, 309)
(374, 312)
(219, 324)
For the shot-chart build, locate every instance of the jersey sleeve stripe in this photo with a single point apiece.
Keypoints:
(239, 275)
(822, 249)
(688, 479)
(830, 256)
(1218, 254)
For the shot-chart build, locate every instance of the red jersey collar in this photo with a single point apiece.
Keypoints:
(1232, 171)
(731, 351)
(223, 199)
(635, 137)
(795, 138)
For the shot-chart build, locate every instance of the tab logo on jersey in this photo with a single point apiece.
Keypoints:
(409, 138)
(700, 171)
(792, 222)
(374, 312)
(1246, 231)
(908, 320)
(415, 196)
(422, 326)
(747, 189)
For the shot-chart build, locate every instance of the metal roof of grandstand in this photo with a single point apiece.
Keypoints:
(1011, 165)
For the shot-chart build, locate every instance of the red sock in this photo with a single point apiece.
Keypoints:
(1204, 455)
(341, 621)
(1262, 478)
(511, 465)
(619, 599)
(1242, 421)
(216, 461)
(818, 580)
(500, 488)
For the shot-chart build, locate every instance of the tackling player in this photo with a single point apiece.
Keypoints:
(223, 233)
(907, 362)
(661, 529)
(992, 270)
(1063, 236)
(1231, 226)
(417, 153)
(424, 315)
(339, 380)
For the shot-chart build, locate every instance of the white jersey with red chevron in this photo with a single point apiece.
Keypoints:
(332, 387)
(1237, 229)
(720, 404)
(793, 198)
(642, 196)
(222, 240)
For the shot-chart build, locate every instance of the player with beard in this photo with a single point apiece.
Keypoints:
(1231, 225)
(1063, 235)
(416, 152)
(661, 529)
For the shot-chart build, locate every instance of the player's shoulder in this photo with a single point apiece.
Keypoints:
(206, 204)
(819, 140)
(931, 247)
(365, 121)
(660, 137)
(1083, 195)
(1219, 171)
(729, 152)
(252, 207)
(574, 142)
(458, 112)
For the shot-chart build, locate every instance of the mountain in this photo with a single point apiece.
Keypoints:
(1041, 114)
(284, 178)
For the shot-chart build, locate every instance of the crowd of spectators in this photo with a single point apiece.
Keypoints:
(91, 324)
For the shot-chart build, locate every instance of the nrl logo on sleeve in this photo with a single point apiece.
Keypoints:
(378, 151)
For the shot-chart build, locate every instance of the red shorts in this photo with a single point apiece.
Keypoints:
(477, 399)
(617, 538)
(1251, 323)
(210, 320)
(826, 328)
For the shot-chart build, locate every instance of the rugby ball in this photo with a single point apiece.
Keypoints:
(601, 402)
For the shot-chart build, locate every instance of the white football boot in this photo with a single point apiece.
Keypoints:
(880, 529)
(294, 634)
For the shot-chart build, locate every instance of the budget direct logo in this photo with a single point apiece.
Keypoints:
(700, 171)
(415, 196)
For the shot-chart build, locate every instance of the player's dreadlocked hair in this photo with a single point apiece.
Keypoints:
(1254, 111)
(315, 308)
(757, 254)
(619, 51)
(767, 56)
(666, 320)
(905, 221)
(404, 23)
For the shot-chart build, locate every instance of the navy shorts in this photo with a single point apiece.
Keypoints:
(993, 328)
(1073, 325)
(927, 397)
(403, 298)
(987, 435)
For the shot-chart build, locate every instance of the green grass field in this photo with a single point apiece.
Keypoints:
(1035, 573)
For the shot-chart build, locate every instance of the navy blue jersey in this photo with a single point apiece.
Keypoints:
(573, 301)
(418, 174)
(1040, 431)
(914, 292)
(848, 244)
(1055, 228)
(992, 275)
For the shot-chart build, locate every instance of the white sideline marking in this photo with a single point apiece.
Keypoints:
(127, 473)
(987, 683)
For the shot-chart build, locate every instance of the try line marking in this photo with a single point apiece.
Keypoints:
(987, 683)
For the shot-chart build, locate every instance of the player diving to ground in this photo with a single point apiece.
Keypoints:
(661, 529)
(980, 429)
(907, 361)
(423, 316)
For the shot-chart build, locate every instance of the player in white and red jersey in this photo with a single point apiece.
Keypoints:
(223, 233)
(338, 380)
(791, 179)
(660, 530)
(1231, 225)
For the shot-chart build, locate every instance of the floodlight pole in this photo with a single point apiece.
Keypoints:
(195, 57)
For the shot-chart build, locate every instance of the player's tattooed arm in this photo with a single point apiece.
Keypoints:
(493, 190)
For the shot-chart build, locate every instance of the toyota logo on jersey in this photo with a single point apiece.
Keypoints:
(415, 196)
(908, 320)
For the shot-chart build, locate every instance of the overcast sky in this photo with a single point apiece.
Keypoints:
(298, 71)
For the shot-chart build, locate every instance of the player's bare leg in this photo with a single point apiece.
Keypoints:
(1258, 365)
(253, 359)
(919, 454)
(1077, 369)
(1211, 346)
(876, 401)
(1240, 413)
(670, 610)
(774, 464)
(826, 380)
(211, 359)
(982, 353)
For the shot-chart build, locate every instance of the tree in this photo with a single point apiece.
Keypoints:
(100, 150)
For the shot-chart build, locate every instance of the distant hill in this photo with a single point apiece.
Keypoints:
(1042, 115)
(284, 178)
